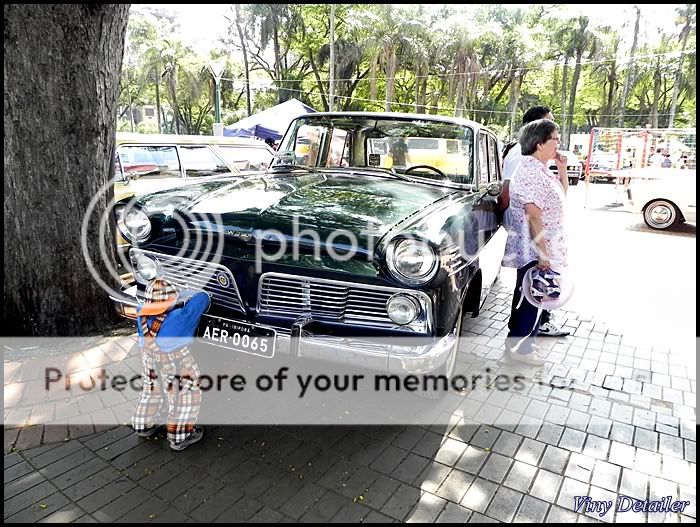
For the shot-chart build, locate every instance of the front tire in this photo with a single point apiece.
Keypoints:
(661, 214)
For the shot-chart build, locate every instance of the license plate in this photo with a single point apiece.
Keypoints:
(237, 336)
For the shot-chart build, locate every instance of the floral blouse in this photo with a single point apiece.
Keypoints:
(534, 183)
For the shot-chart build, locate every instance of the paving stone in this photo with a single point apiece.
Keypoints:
(427, 509)
(16, 502)
(401, 502)
(91, 484)
(624, 433)
(485, 437)
(242, 510)
(410, 468)
(17, 471)
(602, 495)
(647, 462)
(520, 476)
(507, 443)
(560, 515)
(530, 451)
(35, 511)
(569, 489)
(455, 486)
(546, 486)
(453, 513)
(554, 459)
(217, 505)
(689, 450)
(325, 508)
(670, 445)
(572, 440)
(451, 450)
(479, 495)
(596, 447)
(645, 439)
(101, 497)
(531, 511)
(550, 433)
(504, 504)
(480, 518)
(606, 475)
(472, 460)
(496, 467)
(380, 491)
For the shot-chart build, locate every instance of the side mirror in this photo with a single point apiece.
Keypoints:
(494, 189)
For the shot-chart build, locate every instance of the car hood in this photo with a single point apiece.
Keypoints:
(335, 206)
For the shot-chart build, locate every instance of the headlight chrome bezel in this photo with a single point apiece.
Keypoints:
(392, 252)
(410, 300)
(138, 264)
(123, 215)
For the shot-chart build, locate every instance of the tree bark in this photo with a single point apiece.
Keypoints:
(679, 74)
(572, 100)
(654, 117)
(245, 59)
(62, 66)
(630, 69)
(390, 72)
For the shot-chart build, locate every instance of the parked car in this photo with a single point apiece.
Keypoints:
(146, 163)
(360, 249)
(573, 167)
(665, 196)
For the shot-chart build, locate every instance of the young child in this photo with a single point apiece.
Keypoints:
(166, 324)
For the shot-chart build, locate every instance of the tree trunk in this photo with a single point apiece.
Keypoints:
(564, 78)
(62, 67)
(679, 74)
(654, 117)
(390, 72)
(373, 78)
(245, 59)
(630, 68)
(572, 101)
(157, 83)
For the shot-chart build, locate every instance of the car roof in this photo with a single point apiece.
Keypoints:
(128, 137)
(406, 116)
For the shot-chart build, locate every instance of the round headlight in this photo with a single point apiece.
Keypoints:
(134, 224)
(402, 309)
(146, 268)
(412, 261)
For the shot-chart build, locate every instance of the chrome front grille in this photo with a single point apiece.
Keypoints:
(290, 296)
(185, 273)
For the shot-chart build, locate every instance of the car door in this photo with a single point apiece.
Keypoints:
(493, 234)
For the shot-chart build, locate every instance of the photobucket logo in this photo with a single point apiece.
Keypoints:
(202, 239)
(339, 245)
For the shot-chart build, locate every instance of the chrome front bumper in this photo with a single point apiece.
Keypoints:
(395, 354)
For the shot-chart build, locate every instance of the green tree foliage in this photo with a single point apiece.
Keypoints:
(488, 64)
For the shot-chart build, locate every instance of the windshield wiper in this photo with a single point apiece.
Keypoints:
(389, 170)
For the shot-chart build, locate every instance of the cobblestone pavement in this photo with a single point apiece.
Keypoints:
(614, 416)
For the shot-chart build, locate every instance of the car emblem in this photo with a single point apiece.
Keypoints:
(223, 280)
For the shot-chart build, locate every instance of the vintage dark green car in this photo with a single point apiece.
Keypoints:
(366, 226)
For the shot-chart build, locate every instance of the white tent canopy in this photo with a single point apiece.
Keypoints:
(270, 123)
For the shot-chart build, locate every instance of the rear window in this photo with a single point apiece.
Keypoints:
(246, 158)
(200, 161)
(422, 143)
(149, 161)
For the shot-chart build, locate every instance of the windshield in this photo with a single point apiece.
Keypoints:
(419, 148)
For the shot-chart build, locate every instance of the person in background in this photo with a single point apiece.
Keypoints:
(666, 163)
(656, 158)
(399, 153)
(536, 237)
(166, 324)
(511, 161)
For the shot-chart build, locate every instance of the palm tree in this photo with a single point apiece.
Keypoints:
(686, 16)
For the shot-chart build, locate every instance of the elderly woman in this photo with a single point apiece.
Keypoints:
(536, 236)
